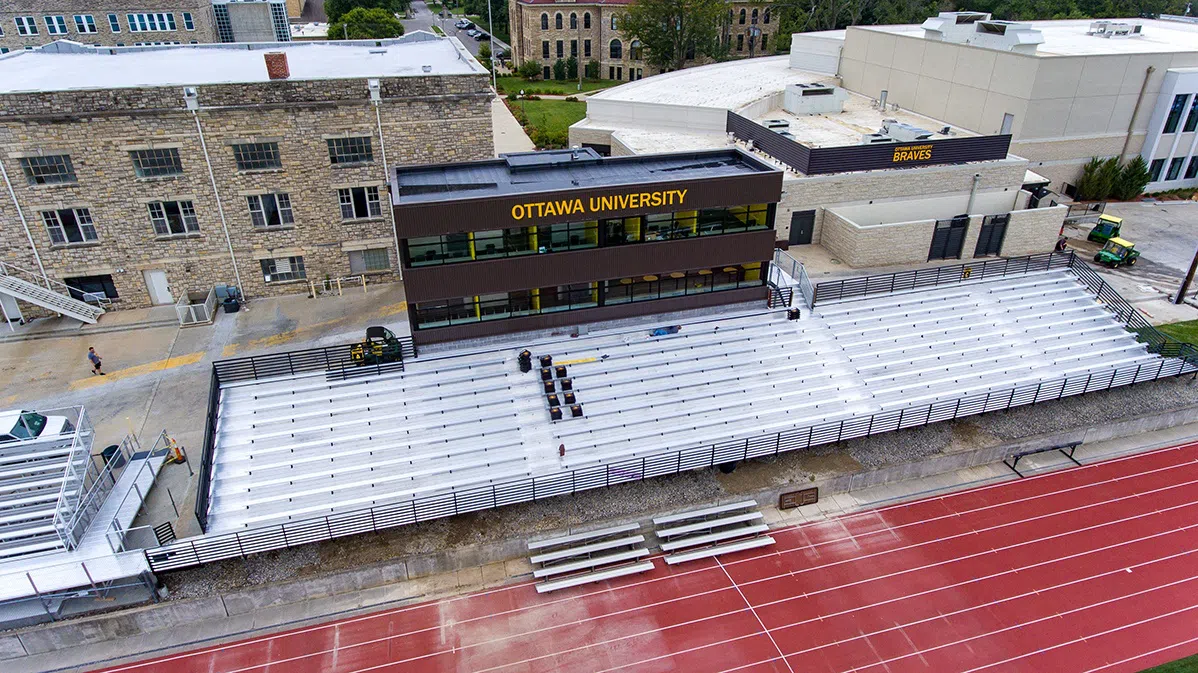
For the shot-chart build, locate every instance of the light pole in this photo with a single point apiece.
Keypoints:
(578, 56)
(491, 41)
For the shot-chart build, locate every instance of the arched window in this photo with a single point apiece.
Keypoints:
(754, 16)
(742, 16)
(586, 20)
(617, 50)
(544, 22)
(766, 18)
(557, 21)
(573, 21)
(634, 50)
(613, 23)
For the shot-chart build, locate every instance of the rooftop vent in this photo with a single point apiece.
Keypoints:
(426, 68)
(952, 26)
(876, 139)
(809, 99)
(276, 65)
(1114, 29)
(903, 132)
(980, 30)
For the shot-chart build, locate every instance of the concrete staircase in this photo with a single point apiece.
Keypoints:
(40, 296)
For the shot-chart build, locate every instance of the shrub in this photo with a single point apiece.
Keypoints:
(512, 96)
(529, 70)
(1098, 179)
(1132, 180)
(559, 70)
(592, 69)
(571, 99)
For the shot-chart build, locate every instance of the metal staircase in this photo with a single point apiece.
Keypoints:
(35, 293)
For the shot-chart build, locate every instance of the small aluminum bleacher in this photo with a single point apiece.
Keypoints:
(594, 556)
(712, 531)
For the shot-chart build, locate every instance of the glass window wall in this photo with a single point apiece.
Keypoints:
(548, 238)
(537, 301)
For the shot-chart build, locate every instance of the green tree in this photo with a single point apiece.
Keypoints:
(335, 9)
(499, 18)
(1098, 179)
(1132, 180)
(668, 29)
(572, 68)
(529, 70)
(559, 69)
(365, 24)
(591, 71)
(484, 54)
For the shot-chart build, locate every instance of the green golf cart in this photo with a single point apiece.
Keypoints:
(1108, 227)
(1116, 252)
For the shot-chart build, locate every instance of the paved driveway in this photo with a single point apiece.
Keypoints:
(424, 19)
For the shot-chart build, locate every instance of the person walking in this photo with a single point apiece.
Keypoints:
(94, 358)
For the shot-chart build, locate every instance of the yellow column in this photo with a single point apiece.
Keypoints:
(470, 236)
(532, 239)
(535, 296)
(694, 220)
(632, 229)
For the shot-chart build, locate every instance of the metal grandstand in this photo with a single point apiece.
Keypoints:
(297, 457)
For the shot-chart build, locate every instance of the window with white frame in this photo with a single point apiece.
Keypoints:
(270, 210)
(282, 269)
(356, 150)
(359, 203)
(25, 25)
(158, 22)
(69, 225)
(375, 259)
(188, 23)
(54, 169)
(156, 163)
(114, 23)
(56, 24)
(84, 23)
(173, 218)
(257, 156)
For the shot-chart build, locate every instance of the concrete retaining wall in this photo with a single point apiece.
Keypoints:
(233, 614)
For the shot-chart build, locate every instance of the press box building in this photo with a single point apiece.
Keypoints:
(144, 173)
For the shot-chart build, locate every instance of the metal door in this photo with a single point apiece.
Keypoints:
(160, 291)
(10, 308)
(802, 224)
(990, 237)
(948, 238)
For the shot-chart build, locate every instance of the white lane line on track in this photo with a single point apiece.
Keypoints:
(755, 663)
(886, 662)
(457, 648)
(755, 615)
(1149, 653)
(667, 577)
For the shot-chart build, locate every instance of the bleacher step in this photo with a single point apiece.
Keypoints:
(717, 550)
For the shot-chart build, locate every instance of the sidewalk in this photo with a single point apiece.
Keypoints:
(508, 134)
(112, 321)
(240, 615)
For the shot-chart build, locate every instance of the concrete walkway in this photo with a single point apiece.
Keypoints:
(509, 135)
(189, 624)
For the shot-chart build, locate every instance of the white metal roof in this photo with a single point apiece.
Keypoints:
(67, 66)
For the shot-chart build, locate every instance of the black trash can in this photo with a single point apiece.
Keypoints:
(111, 453)
(232, 305)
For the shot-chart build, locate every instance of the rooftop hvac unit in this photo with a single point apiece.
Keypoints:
(1114, 29)
(876, 139)
(813, 99)
(903, 132)
(776, 125)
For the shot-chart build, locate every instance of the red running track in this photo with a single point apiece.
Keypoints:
(1090, 569)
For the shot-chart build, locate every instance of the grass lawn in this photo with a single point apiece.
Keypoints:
(566, 88)
(548, 121)
(1187, 665)
(437, 30)
(1188, 332)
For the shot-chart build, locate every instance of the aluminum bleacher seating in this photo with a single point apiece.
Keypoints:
(711, 531)
(32, 476)
(594, 556)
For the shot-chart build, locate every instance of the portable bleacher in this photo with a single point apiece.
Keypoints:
(711, 531)
(594, 556)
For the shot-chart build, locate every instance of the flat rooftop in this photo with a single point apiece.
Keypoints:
(729, 85)
(70, 66)
(535, 172)
(1069, 38)
(860, 116)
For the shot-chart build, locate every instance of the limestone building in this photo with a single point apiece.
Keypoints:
(546, 30)
(145, 173)
(30, 23)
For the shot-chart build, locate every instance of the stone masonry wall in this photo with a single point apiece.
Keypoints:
(201, 15)
(1033, 231)
(420, 124)
(882, 245)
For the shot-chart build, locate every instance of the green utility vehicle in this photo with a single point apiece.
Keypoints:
(1116, 252)
(379, 346)
(1108, 227)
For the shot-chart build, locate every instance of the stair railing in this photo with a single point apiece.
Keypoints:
(97, 298)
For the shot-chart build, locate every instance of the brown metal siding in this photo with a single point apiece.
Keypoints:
(564, 318)
(461, 215)
(581, 266)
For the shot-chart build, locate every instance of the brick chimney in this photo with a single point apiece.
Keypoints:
(276, 65)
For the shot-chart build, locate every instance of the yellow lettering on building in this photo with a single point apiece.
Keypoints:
(599, 204)
(912, 153)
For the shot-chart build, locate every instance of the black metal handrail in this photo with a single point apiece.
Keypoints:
(865, 286)
(335, 361)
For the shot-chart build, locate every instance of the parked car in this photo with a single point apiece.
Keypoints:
(473, 32)
(480, 36)
(462, 24)
(19, 425)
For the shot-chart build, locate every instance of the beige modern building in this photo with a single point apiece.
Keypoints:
(146, 173)
(30, 23)
(1064, 90)
(546, 30)
(871, 184)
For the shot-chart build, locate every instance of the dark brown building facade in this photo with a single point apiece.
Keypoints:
(548, 239)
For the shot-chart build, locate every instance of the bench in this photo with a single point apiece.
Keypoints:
(711, 531)
(593, 556)
(1066, 450)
